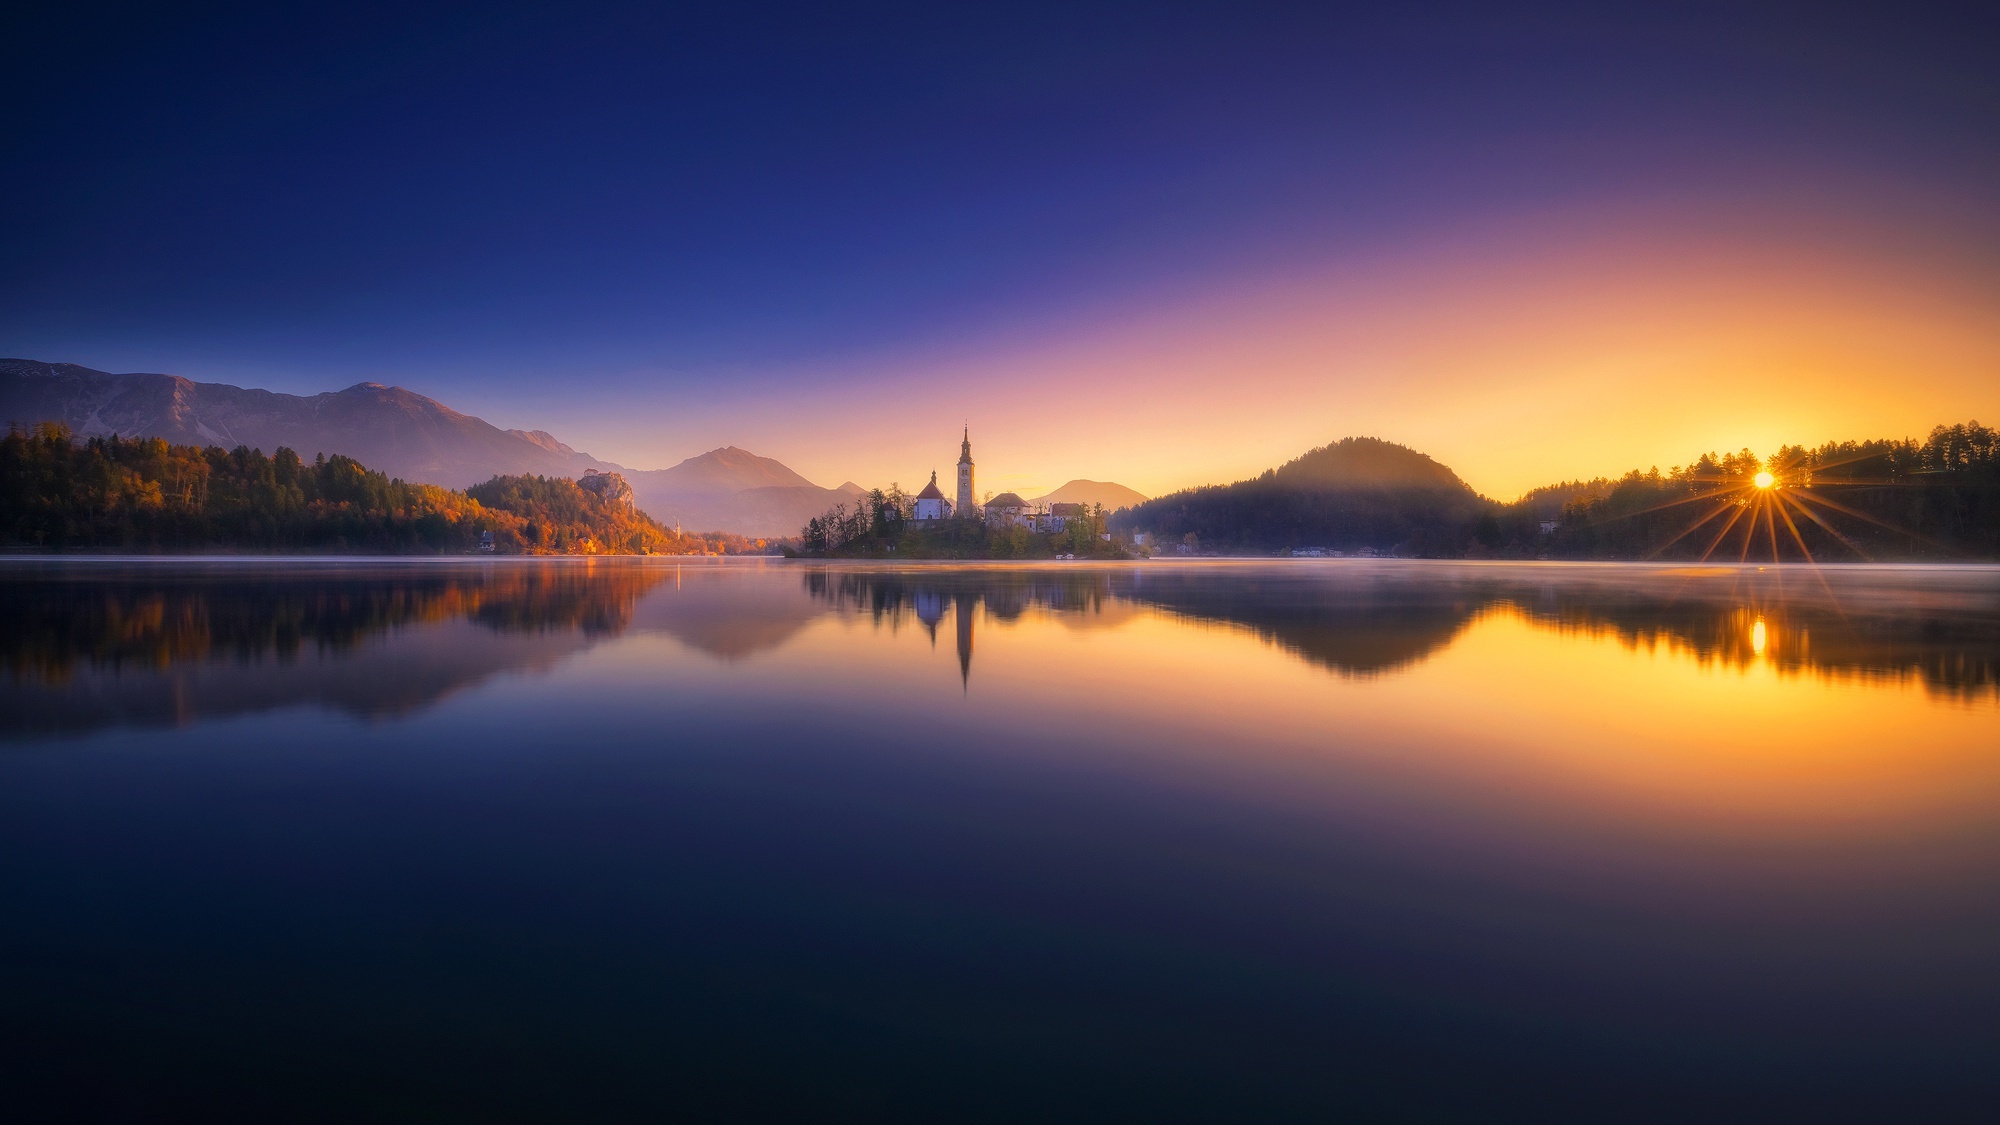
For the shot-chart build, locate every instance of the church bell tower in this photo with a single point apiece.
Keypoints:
(966, 504)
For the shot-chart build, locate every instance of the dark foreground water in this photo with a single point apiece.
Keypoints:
(591, 840)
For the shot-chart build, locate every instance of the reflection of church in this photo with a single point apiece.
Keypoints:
(930, 606)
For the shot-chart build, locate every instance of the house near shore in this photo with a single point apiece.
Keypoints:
(1056, 517)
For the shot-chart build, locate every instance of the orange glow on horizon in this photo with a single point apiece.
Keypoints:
(1540, 349)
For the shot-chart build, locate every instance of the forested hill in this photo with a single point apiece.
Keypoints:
(1931, 499)
(1357, 492)
(143, 494)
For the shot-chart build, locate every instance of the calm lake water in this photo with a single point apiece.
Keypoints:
(1150, 841)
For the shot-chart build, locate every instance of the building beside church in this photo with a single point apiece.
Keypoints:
(1008, 509)
(1055, 517)
(931, 504)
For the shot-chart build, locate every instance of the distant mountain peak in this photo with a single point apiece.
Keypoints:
(1110, 494)
(732, 469)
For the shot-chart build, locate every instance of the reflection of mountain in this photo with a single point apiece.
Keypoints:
(89, 647)
(1938, 625)
(727, 613)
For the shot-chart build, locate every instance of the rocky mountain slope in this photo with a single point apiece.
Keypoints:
(397, 431)
(403, 434)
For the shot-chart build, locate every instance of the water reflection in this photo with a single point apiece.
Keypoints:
(1271, 841)
(1939, 626)
(89, 646)
(94, 645)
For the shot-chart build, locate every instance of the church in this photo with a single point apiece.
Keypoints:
(931, 504)
(1004, 510)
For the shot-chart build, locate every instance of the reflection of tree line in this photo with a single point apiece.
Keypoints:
(141, 621)
(1365, 622)
(1952, 653)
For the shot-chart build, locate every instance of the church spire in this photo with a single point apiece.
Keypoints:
(967, 505)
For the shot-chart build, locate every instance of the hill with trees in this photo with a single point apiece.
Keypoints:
(144, 494)
(1938, 498)
(1356, 493)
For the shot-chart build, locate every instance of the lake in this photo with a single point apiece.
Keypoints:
(602, 839)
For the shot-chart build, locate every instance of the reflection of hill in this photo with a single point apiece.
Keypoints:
(728, 615)
(1354, 627)
(1938, 625)
(95, 646)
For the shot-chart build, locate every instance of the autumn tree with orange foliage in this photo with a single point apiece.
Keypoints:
(143, 494)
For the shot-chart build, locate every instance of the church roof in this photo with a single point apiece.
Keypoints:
(930, 491)
(1007, 500)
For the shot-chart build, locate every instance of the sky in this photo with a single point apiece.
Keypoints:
(1159, 244)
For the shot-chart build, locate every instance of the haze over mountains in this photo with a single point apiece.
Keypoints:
(1112, 496)
(403, 434)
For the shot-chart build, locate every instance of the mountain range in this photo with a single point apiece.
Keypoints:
(407, 435)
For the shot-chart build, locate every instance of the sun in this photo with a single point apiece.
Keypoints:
(1765, 480)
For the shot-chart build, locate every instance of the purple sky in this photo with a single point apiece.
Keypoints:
(1161, 244)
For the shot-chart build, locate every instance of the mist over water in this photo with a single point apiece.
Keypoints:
(588, 837)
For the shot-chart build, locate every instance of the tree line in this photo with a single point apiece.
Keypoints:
(144, 494)
(1938, 498)
(1935, 498)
